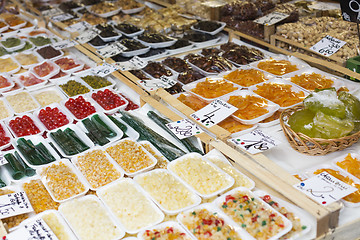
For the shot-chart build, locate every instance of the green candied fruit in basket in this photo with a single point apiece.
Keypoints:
(11, 42)
(326, 101)
(96, 82)
(330, 127)
(302, 121)
(73, 88)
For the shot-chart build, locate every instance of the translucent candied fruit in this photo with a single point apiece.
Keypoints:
(249, 107)
(7, 65)
(281, 94)
(277, 67)
(351, 165)
(192, 102)
(246, 77)
(232, 125)
(211, 88)
(311, 81)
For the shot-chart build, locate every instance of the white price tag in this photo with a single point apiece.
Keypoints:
(14, 204)
(62, 17)
(36, 229)
(64, 44)
(3, 161)
(255, 142)
(184, 128)
(87, 36)
(111, 50)
(328, 46)
(214, 112)
(52, 12)
(138, 62)
(79, 27)
(152, 85)
(124, 66)
(324, 6)
(325, 188)
(271, 18)
(168, 81)
(104, 69)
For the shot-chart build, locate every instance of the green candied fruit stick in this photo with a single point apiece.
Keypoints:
(94, 133)
(28, 170)
(28, 151)
(15, 168)
(79, 144)
(63, 142)
(2, 183)
(119, 124)
(102, 126)
(44, 152)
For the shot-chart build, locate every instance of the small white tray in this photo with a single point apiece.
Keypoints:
(98, 109)
(216, 31)
(159, 44)
(31, 87)
(113, 110)
(52, 106)
(33, 118)
(7, 134)
(299, 64)
(48, 89)
(76, 79)
(55, 70)
(163, 226)
(133, 10)
(14, 60)
(135, 52)
(13, 49)
(74, 69)
(28, 52)
(9, 80)
(13, 94)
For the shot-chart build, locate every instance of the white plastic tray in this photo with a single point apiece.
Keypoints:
(159, 44)
(9, 80)
(136, 52)
(113, 110)
(163, 226)
(74, 69)
(33, 118)
(52, 106)
(216, 31)
(133, 10)
(14, 60)
(87, 99)
(48, 89)
(55, 70)
(299, 64)
(13, 94)
(13, 49)
(29, 52)
(76, 79)
(31, 87)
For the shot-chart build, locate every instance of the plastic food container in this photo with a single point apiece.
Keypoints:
(130, 132)
(203, 177)
(191, 220)
(270, 106)
(78, 65)
(36, 140)
(15, 48)
(159, 44)
(67, 177)
(209, 42)
(23, 124)
(21, 61)
(30, 81)
(48, 95)
(64, 86)
(165, 190)
(294, 88)
(110, 83)
(53, 69)
(348, 166)
(87, 100)
(5, 134)
(21, 102)
(105, 169)
(162, 161)
(53, 119)
(136, 52)
(127, 202)
(7, 61)
(100, 224)
(108, 105)
(259, 208)
(7, 82)
(126, 151)
(166, 229)
(133, 10)
(104, 15)
(216, 31)
(131, 35)
(241, 180)
(191, 86)
(61, 76)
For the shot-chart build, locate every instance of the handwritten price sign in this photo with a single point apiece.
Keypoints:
(64, 44)
(52, 12)
(14, 204)
(104, 69)
(325, 188)
(328, 46)
(214, 112)
(111, 50)
(255, 142)
(272, 18)
(79, 27)
(36, 229)
(138, 62)
(184, 128)
(87, 36)
(62, 17)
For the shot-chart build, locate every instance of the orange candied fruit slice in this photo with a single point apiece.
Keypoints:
(246, 77)
(192, 102)
(249, 107)
(277, 67)
(311, 81)
(211, 88)
(351, 165)
(279, 93)
(232, 125)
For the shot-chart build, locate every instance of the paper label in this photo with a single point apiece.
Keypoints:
(271, 18)
(64, 44)
(62, 17)
(14, 204)
(152, 85)
(214, 112)
(52, 12)
(87, 36)
(124, 66)
(111, 50)
(325, 188)
(324, 6)
(138, 62)
(36, 229)
(104, 69)
(328, 46)
(3, 161)
(184, 128)
(79, 27)
(255, 141)
(168, 81)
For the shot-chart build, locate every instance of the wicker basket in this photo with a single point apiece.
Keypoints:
(313, 146)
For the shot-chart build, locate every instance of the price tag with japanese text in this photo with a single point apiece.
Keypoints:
(138, 62)
(79, 27)
(3, 161)
(104, 69)
(325, 188)
(62, 17)
(14, 204)
(87, 36)
(36, 229)
(214, 112)
(168, 81)
(152, 85)
(328, 46)
(64, 44)
(111, 50)
(52, 12)
(124, 66)
(184, 128)
(271, 18)
(255, 141)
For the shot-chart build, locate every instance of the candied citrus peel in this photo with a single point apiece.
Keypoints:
(249, 107)
(192, 102)
(277, 67)
(211, 88)
(351, 165)
(311, 81)
(233, 126)
(246, 77)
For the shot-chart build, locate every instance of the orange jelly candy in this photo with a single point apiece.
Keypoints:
(249, 107)
(280, 94)
(246, 77)
(192, 102)
(312, 81)
(232, 125)
(353, 197)
(211, 88)
(277, 67)
(351, 165)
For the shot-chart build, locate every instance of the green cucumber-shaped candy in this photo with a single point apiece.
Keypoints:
(119, 125)
(45, 153)
(28, 170)
(2, 183)
(79, 144)
(61, 140)
(15, 168)
(102, 126)
(94, 134)
(29, 152)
